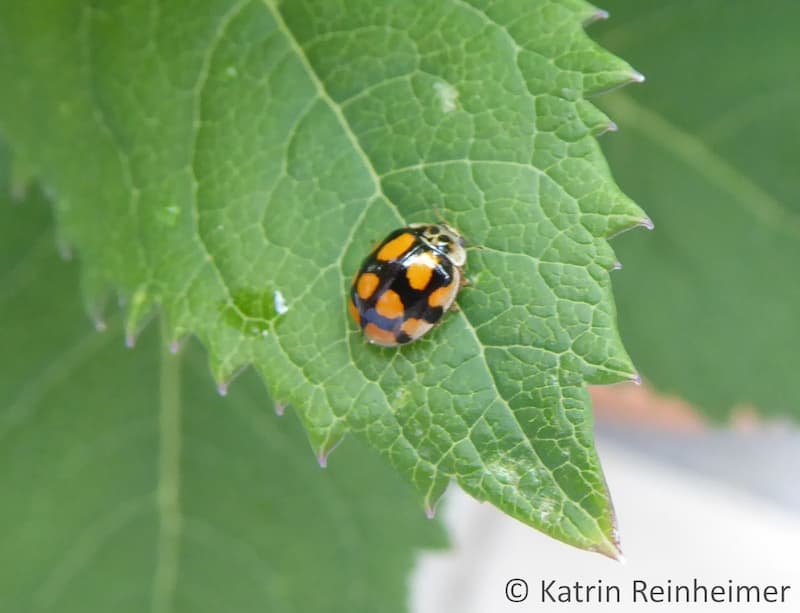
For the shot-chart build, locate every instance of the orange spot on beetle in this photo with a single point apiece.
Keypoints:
(366, 285)
(415, 327)
(379, 336)
(389, 305)
(396, 247)
(354, 312)
(420, 271)
(443, 296)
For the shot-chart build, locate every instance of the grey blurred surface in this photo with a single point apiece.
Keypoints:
(764, 462)
(714, 505)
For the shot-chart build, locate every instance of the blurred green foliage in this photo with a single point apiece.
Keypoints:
(709, 302)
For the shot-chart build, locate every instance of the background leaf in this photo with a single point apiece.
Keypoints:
(211, 163)
(709, 302)
(130, 485)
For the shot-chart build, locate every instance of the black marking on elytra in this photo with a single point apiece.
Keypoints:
(432, 314)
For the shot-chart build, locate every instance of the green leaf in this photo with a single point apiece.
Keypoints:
(216, 165)
(131, 486)
(709, 302)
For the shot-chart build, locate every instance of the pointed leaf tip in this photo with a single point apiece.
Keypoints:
(598, 15)
(647, 223)
(610, 549)
(323, 450)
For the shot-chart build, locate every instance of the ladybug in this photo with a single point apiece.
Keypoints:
(407, 283)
